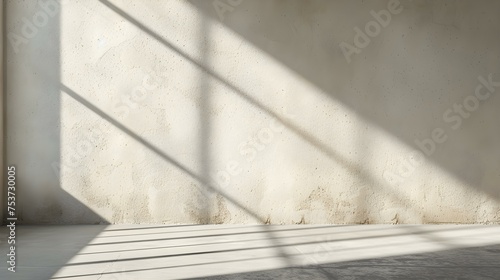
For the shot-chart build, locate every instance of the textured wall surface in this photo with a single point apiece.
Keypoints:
(244, 111)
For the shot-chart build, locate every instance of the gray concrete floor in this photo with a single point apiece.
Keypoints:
(254, 252)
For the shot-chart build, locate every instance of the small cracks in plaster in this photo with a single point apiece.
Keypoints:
(268, 220)
(395, 220)
(301, 222)
(365, 222)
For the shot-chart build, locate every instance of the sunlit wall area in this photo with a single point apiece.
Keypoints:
(278, 112)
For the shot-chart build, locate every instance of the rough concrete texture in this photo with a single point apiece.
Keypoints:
(128, 252)
(277, 112)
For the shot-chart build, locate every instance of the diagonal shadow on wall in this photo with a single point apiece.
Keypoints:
(363, 174)
(405, 77)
